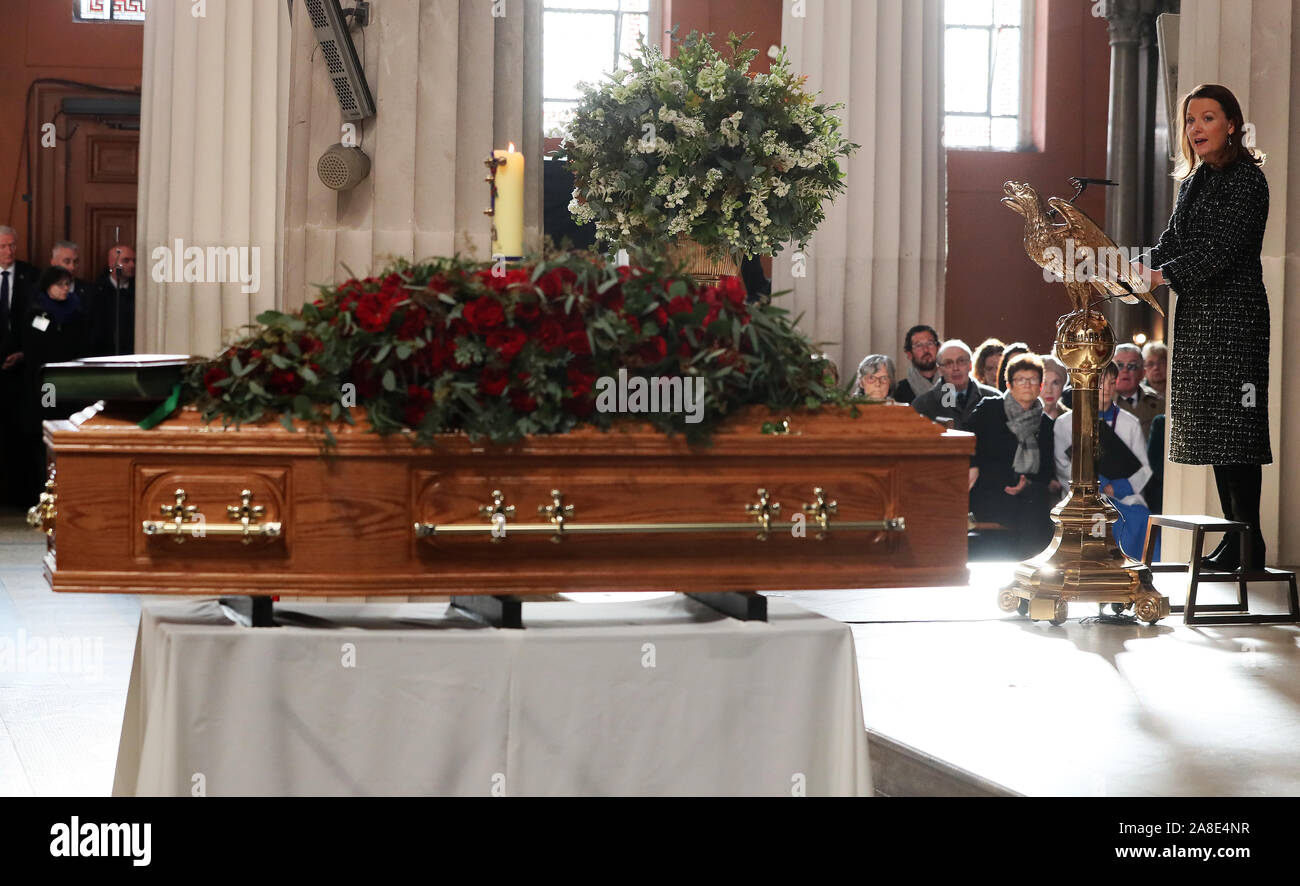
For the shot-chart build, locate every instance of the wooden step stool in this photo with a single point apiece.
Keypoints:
(1198, 525)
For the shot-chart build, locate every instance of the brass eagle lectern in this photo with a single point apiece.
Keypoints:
(1084, 562)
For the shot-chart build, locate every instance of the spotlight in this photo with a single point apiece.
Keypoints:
(1140, 338)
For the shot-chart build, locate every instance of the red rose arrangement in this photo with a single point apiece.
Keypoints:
(452, 345)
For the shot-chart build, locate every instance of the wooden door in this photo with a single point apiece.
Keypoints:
(85, 186)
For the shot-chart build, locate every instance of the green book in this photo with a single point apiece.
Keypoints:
(132, 377)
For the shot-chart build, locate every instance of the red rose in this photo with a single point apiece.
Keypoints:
(634, 322)
(554, 282)
(285, 381)
(578, 342)
(685, 351)
(527, 311)
(507, 342)
(374, 311)
(550, 334)
(418, 401)
(661, 317)
(653, 349)
(414, 323)
(499, 282)
(493, 382)
(211, 377)
(484, 314)
(680, 305)
(580, 380)
(732, 290)
(710, 316)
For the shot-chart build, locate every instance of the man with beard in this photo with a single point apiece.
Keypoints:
(921, 347)
(112, 303)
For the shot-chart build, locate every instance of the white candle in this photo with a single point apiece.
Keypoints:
(508, 208)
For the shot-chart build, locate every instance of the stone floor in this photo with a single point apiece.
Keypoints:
(1082, 709)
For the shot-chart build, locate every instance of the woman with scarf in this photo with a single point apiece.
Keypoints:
(1012, 469)
(55, 330)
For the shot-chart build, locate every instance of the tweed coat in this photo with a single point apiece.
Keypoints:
(1210, 257)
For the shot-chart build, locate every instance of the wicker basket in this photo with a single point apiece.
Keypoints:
(697, 263)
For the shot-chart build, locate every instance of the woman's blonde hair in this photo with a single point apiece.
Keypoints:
(1236, 148)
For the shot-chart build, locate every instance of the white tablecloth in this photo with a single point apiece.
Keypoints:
(659, 697)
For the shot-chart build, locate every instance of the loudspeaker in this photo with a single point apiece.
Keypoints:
(342, 168)
(330, 24)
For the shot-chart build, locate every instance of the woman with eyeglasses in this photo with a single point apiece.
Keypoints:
(875, 379)
(1210, 257)
(1012, 470)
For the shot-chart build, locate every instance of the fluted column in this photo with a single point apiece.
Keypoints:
(1248, 47)
(451, 82)
(875, 267)
(212, 149)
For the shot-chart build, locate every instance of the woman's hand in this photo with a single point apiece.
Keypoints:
(1108, 490)
(1055, 485)
(974, 475)
(12, 359)
(1018, 488)
(1141, 270)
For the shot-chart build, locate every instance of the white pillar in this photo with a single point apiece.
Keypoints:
(875, 267)
(212, 149)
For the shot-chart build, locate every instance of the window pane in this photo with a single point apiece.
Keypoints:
(581, 4)
(968, 12)
(1006, 71)
(966, 70)
(1007, 12)
(634, 26)
(576, 46)
(99, 10)
(637, 5)
(1006, 133)
(556, 117)
(966, 132)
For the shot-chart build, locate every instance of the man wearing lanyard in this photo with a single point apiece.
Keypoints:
(16, 277)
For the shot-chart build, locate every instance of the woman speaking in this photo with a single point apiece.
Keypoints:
(1210, 256)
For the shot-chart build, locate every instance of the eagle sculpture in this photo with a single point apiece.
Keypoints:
(1076, 250)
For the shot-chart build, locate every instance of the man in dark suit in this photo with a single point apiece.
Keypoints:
(956, 395)
(16, 279)
(1131, 395)
(112, 303)
(67, 254)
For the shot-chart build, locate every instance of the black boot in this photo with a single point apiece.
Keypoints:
(1246, 485)
(1227, 556)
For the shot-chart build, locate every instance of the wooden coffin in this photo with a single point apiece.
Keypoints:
(263, 512)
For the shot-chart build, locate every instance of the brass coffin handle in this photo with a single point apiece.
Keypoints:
(41, 515)
(561, 525)
(187, 521)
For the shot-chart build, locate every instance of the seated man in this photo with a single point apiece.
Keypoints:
(921, 348)
(955, 397)
(1155, 360)
(1122, 466)
(1130, 394)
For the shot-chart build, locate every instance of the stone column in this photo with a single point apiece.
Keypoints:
(451, 81)
(212, 148)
